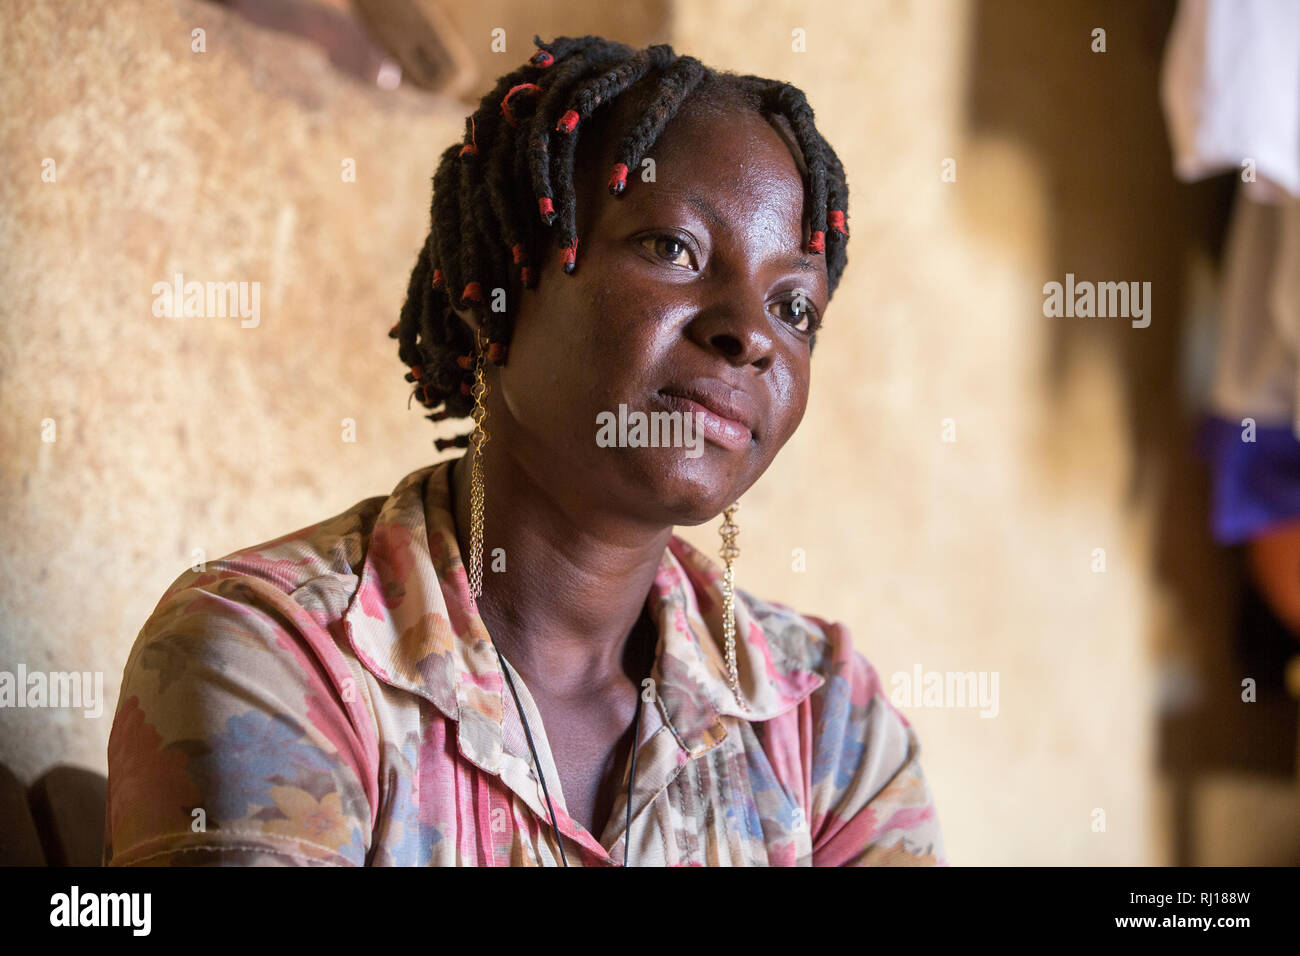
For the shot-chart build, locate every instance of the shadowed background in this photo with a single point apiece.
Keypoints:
(973, 555)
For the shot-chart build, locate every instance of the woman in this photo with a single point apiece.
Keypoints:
(334, 696)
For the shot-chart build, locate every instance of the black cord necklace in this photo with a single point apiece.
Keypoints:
(537, 765)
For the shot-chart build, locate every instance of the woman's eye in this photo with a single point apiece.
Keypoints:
(801, 316)
(670, 249)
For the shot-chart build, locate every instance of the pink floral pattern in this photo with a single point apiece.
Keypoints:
(332, 698)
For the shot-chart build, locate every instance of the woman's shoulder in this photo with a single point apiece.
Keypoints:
(302, 580)
(870, 801)
(271, 609)
(280, 597)
(820, 646)
(241, 658)
(813, 641)
(332, 547)
(800, 649)
(319, 568)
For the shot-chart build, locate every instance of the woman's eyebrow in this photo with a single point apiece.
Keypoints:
(800, 262)
(715, 220)
(705, 209)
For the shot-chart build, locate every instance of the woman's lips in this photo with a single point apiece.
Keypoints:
(722, 431)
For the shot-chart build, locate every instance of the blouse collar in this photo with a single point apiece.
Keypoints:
(414, 626)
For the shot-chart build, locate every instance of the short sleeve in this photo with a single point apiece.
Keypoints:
(240, 736)
(871, 805)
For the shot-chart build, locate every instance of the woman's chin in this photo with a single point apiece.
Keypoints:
(688, 490)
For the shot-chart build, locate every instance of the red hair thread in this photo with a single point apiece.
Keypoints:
(618, 179)
(818, 241)
(505, 101)
(837, 222)
(567, 122)
(471, 148)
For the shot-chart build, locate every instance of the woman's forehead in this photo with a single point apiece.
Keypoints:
(719, 148)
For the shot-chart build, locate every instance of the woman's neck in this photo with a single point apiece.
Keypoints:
(575, 579)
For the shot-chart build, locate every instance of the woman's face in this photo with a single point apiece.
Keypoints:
(681, 301)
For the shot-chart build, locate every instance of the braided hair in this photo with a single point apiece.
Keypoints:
(498, 193)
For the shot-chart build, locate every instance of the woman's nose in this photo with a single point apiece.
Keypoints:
(736, 326)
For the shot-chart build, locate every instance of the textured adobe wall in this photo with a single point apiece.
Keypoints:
(185, 433)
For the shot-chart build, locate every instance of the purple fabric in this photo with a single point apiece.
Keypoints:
(1256, 484)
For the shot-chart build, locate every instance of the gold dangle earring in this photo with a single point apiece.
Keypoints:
(479, 437)
(730, 551)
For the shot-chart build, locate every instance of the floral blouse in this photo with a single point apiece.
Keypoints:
(332, 697)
